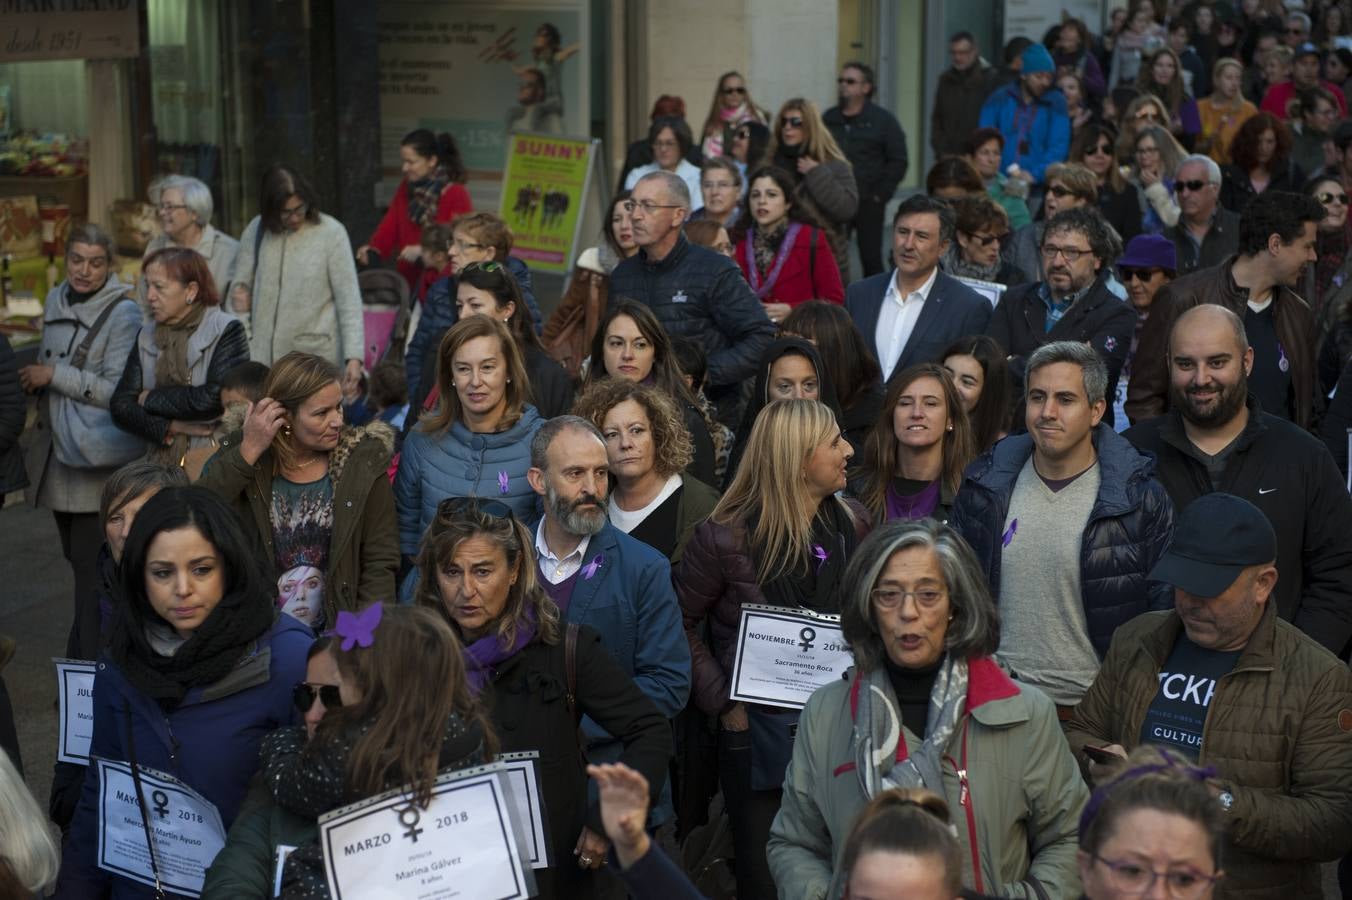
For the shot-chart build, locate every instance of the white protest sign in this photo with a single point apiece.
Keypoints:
(523, 777)
(468, 842)
(991, 290)
(783, 655)
(75, 689)
(186, 828)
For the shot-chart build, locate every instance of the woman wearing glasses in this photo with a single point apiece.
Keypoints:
(315, 492)
(1156, 157)
(981, 224)
(185, 207)
(1261, 154)
(295, 279)
(1328, 283)
(1224, 111)
(825, 190)
(535, 676)
(1149, 262)
(732, 105)
(432, 190)
(926, 706)
(720, 185)
(670, 140)
(780, 536)
(1142, 110)
(199, 667)
(750, 142)
(1119, 200)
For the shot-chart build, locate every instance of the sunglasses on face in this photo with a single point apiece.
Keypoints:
(1193, 186)
(847, 81)
(1142, 275)
(734, 90)
(741, 136)
(1327, 198)
(304, 693)
(1060, 190)
(1100, 149)
(793, 121)
(984, 240)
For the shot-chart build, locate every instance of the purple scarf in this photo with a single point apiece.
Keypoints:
(753, 271)
(916, 506)
(487, 652)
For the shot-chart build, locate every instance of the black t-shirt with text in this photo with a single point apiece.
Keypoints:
(1187, 685)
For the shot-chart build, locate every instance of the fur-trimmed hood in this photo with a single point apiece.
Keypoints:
(374, 437)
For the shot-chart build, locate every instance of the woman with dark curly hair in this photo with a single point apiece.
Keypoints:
(1261, 152)
(648, 446)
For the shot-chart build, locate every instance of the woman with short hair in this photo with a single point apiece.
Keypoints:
(185, 207)
(927, 706)
(721, 185)
(170, 389)
(984, 149)
(670, 140)
(731, 106)
(1261, 154)
(982, 224)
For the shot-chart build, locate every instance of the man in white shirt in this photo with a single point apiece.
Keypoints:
(914, 312)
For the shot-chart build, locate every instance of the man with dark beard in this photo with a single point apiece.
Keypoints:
(601, 577)
(1216, 437)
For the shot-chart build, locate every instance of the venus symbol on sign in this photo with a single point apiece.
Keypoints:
(408, 817)
(161, 803)
(808, 635)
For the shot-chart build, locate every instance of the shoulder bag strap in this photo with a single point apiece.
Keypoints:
(145, 809)
(570, 695)
(81, 353)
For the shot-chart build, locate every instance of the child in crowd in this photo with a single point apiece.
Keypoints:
(241, 386)
(381, 395)
(436, 257)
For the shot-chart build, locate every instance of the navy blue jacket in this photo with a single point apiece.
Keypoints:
(210, 742)
(697, 293)
(952, 310)
(1130, 525)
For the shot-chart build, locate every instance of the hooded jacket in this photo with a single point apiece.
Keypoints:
(1276, 732)
(1036, 134)
(363, 549)
(1129, 527)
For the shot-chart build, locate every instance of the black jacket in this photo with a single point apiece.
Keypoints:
(875, 145)
(1098, 318)
(1129, 527)
(1236, 191)
(1281, 469)
(1123, 209)
(697, 293)
(13, 411)
(525, 701)
(550, 387)
(175, 401)
(1221, 242)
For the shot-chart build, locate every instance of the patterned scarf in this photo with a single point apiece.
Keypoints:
(424, 195)
(171, 369)
(765, 244)
(958, 267)
(877, 731)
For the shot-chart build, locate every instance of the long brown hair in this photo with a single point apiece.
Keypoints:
(882, 455)
(404, 728)
(294, 379)
(666, 373)
(714, 122)
(518, 386)
(1172, 93)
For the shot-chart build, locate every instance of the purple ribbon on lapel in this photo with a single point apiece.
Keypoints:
(590, 569)
(822, 555)
(503, 482)
(1009, 532)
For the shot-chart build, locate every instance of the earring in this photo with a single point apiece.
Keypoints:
(286, 430)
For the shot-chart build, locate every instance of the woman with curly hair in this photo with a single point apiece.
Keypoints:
(648, 446)
(732, 105)
(1162, 75)
(1261, 152)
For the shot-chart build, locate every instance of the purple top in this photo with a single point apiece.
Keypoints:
(561, 593)
(913, 506)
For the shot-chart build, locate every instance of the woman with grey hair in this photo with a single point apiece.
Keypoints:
(185, 207)
(926, 706)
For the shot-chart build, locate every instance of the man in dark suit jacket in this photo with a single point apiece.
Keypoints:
(909, 315)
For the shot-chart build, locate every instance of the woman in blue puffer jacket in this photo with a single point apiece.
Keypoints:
(199, 667)
(476, 442)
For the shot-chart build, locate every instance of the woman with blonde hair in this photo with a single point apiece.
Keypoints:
(1143, 110)
(29, 857)
(732, 105)
(313, 491)
(1224, 111)
(781, 537)
(915, 455)
(802, 145)
(1156, 157)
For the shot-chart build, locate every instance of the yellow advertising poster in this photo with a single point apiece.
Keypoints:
(543, 191)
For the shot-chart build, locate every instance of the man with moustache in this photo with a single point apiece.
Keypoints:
(1276, 243)
(1216, 437)
(1222, 679)
(601, 577)
(1065, 521)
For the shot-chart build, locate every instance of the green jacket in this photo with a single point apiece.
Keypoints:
(1025, 794)
(364, 547)
(1278, 731)
(696, 502)
(246, 867)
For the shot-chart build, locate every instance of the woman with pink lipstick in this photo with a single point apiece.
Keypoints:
(779, 537)
(314, 492)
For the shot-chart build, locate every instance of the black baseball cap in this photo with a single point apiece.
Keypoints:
(1215, 538)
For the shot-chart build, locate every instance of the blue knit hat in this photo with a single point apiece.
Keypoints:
(1037, 59)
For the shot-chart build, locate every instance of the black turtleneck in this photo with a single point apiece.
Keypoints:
(913, 687)
(73, 296)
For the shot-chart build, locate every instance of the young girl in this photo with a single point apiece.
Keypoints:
(378, 738)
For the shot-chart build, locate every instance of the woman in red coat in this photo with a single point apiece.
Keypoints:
(433, 190)
(785, 257)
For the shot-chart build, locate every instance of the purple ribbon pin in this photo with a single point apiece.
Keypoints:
(590, 569)
(822, 555)
(1009, 532)
(503, 482)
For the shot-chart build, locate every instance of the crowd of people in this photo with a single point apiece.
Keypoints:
(1042, 470)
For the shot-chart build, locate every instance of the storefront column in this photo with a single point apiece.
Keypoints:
(109, 136)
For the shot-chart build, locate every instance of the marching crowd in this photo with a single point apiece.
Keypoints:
(1071, 472)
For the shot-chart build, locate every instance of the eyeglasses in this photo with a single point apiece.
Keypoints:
(717, 185)
(891, 598)
(1195, 185)
(647, 207)
(1060, 190)
(303, 696)
(1326, 198)
(464, 246)
(793, 121)
(1070, 253)
(454, 509)
(1295, 31)
(170, 207)
(1131, 878)
(733, 90)
(984, 240)
(1142, 275)
(295, 212)
(847, 81)
(1143, 114)
(1144, 149)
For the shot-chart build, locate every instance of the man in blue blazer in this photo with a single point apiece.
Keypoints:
(601, 577)
(911, 314)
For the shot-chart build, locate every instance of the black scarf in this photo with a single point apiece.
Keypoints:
(206, 657)
(814, 583)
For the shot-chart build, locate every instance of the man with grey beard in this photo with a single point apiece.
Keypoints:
(600, 577)
(1216, 437)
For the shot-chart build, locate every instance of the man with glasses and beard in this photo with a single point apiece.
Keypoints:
(1206, 232)
(601, 577)
(1216, 437)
